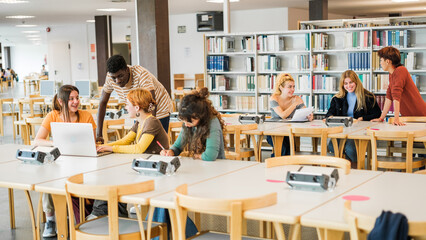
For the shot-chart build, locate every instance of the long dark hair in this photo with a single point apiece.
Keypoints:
(197, 106)
(64, 94)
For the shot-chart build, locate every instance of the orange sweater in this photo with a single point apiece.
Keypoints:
(402, 88)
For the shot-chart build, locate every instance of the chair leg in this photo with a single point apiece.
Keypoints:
(11, 208)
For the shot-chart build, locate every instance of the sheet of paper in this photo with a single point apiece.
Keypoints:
(302, 114)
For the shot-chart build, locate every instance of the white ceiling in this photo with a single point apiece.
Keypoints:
(61, 12)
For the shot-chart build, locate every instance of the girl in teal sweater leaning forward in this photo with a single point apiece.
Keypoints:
(202, 131)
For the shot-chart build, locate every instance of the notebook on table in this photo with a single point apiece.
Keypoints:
(75, 139)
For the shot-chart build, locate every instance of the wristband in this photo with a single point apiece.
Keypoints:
(381, 119)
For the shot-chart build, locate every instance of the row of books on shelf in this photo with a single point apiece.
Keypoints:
(220, 44)
(269, 63)
(264, 102)
(362, 23)
(224, 44)
(320, 62)
(380, 99)
(319, 41)
(218, 63)
(408, 59)
(324, 83)
(302, 62)
(270, 43)
(242, 103)
(223, 83)
(249, 64)
(359, 61)
(357, 40)
(395, 38)
(322, 102)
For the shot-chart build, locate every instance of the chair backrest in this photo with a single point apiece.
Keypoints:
(309, 160)
(238, 129)
(171, 133)
(419, 119)
(74, 187)
(234, 208)
(403, 136)
(360, 224)
(108, 123)
(322, 133)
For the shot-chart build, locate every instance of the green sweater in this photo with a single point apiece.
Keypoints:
(215, 148)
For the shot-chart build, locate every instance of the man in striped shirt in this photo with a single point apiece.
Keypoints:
(123, 78)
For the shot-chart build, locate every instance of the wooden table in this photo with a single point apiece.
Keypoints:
(17, 175)
(253, 181)
(398, 192)
(190, 172)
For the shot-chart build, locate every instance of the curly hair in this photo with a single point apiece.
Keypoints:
(197, 106)
(116, 63)
(391, 54)
(281, 80)
(142, 98)
(64, 94)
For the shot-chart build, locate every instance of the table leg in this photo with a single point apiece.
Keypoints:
(361, 146)
(36, 230)
(279, 231)
(173, 222)
(278, 144)
(11, 208)
(294, 232)
(60, 203)
(326, 234)
(257, 144)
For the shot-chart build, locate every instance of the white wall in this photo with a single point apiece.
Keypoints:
(27, 58)
(76, 35)
(186, 49)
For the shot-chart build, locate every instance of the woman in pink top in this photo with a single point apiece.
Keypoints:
(402, 91)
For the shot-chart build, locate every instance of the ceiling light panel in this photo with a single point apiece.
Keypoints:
(30, 32)
(221, 1)
(111, 9)
(25, 25)
(19, 17)
(13, 1)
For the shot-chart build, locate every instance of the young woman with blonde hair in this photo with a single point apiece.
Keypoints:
(355, 101)
(283, 104)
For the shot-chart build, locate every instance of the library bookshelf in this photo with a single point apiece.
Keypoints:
(241, 68)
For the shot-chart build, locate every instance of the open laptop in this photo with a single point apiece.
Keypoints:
(75, 139)
(300, 115)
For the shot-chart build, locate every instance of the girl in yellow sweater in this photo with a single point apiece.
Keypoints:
(146, 131)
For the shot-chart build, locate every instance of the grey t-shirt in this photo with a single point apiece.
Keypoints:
(273, 104)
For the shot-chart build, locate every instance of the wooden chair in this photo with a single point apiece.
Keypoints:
(391, 146)
(310, 160)
(406, 163)
(361, 224)
(31, 125)
(239, 152)
(419, 119)
(110, 226)
(321, 133)
(11, 112)
(108, 133)
(172, 131)
(420, 172)
(233, 208)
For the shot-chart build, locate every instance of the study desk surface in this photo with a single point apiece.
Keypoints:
(190, 172)
(397, 192)
(8, 152)
(16, 174)
(258, 180)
